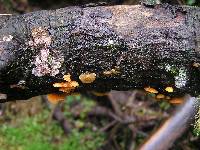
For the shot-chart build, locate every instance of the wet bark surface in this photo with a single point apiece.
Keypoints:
(112, 47)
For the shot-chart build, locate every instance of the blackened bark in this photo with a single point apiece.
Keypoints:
(114, 47)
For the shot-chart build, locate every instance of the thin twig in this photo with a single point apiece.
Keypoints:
(109, 125)
(58, 115)
(103, 111)
(115, 105)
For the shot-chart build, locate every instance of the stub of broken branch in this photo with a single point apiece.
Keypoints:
(102, 48)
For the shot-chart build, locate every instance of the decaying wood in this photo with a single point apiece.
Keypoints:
(100, 48)
(174, 127)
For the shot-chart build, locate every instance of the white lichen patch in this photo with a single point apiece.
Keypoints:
(110, 42)
(20, 85)
(47, 63)
(180, 74)
(3, 96)
(168, 67)
(181, 78)
(7, 38)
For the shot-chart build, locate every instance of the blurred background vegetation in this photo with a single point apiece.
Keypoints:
(22, 6)
(32, 125)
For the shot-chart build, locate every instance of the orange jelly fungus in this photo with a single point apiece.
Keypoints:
(87, 77)
(65, 87)
(55, 98)
(111, 72)
(67, 77)
(169, 89)
(196, 65)
(160, 96)
(150, 90)
(176, 101)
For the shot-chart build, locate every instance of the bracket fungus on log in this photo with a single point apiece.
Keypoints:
(155, 47)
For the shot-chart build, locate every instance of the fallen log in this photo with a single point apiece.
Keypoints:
(76, 49)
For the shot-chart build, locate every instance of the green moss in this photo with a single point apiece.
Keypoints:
(37, 133)
(164, 105)
(83, 141)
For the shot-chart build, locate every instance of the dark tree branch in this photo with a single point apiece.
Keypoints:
(102, 48)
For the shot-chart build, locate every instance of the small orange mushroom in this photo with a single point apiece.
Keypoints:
(169, 89)
(111, 72)
(68, 86)
(87, 77)
(150, 90)
(176, 100)
(56, 98)
(65, 87)
(160, 96)
(67, 77)
(196, 65)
